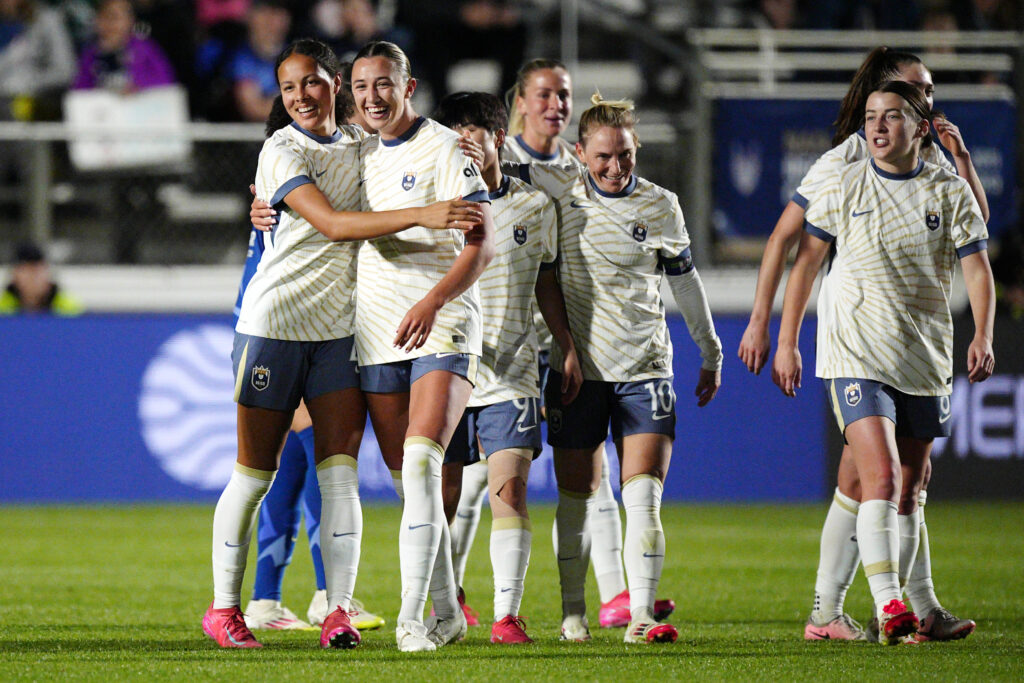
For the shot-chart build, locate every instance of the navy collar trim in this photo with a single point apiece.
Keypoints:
(323, 140)
(539, 156)
(899, 176)
(862, 134)
(407, 135)
(628, 190)
(502, 188)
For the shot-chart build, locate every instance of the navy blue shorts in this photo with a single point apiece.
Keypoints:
(644, 407)
(397, 377)
(275, 374)
(543, 370)
(509, 424)
(917, 417)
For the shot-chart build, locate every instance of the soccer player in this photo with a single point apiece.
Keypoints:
(619, 236)
(294, 335)
(839, 554)
(896, 223)
(501, 425)
(418, 326)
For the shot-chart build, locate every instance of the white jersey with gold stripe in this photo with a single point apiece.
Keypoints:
(611, 251)
(422, 166)
(853, 148)
(516, 150)
(527, 234)
(304, 286)
(896, 237)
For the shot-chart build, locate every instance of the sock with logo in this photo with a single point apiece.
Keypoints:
(644, 551)
(605, 528)
(572, 549)
(341, 527)
(879, 541)
(279, 521)
(510, 556)
(467, 516)
(423, 523)
(311, 507)
(920, 588)
(837, 560)
(233, 520)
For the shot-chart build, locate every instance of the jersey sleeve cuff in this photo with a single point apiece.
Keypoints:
(287, 187)
(972, 248)
(819, 233)
(800, 200)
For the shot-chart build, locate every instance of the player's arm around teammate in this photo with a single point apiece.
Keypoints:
(610, 298)
(889, 382)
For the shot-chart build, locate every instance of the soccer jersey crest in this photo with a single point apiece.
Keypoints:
(640, 231)
(932, 220)
(555, 420)
(853, 394)
(519, 233)
(408, 180)
(260, 377)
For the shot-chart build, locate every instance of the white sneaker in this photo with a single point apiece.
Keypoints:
(317, 611)
(271, 614)
(446, 631)
(412, 637)
(575, 628)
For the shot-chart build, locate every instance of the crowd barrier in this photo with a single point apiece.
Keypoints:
(137, 408)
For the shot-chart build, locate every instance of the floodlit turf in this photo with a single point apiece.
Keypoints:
(118, 593)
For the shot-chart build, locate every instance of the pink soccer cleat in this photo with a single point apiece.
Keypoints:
(338, 631)
(841, 628)
(615, 612)
(510, 630)
(650, 632)
(472, 617)
(895, 622)
(227, 627)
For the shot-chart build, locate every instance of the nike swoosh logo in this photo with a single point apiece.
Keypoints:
(320, 173)
(944, 418)
(659, 417)
(233, 545)
(519, 428)
(853, 538)
(855, 214)
(605, 509)
(350, 533)
(576, 204)
(566, 559)
(413, 527)
(464, 515)
(652, 555)
(505, 590)
(445, 355)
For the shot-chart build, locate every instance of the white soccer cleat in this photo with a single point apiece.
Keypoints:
(411, 636)
(575, 629)
(317, 611)
(271, 614)
(443, 632)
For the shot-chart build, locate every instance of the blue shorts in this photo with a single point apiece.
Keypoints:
(917, 417)
(397, 377)
(509, 424)
(543, 370)
(644, 407)
(275, 374)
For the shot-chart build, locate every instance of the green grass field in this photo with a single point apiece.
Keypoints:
(102, 593)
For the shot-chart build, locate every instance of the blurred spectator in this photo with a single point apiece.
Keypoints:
(246, 70)
(775, 14)
(880, 15)
(119, 59)
(37, 60)
(988, 15)
(31, 289)
(446, 32)
(171, 23)
(346, 25)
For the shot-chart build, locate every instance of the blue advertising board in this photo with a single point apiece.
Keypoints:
(138, 408)
(764, 147)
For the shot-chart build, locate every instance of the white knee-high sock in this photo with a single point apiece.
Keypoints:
(510, 556)
(878, 538)
(910, 537)
(422, 523)
(233, 521)
(644, 551)
(572, 550)
(396, 480)
(920, 588)
(605, 528)
(341, 527)
(838, 558)
(467, 516)
(444, 592)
